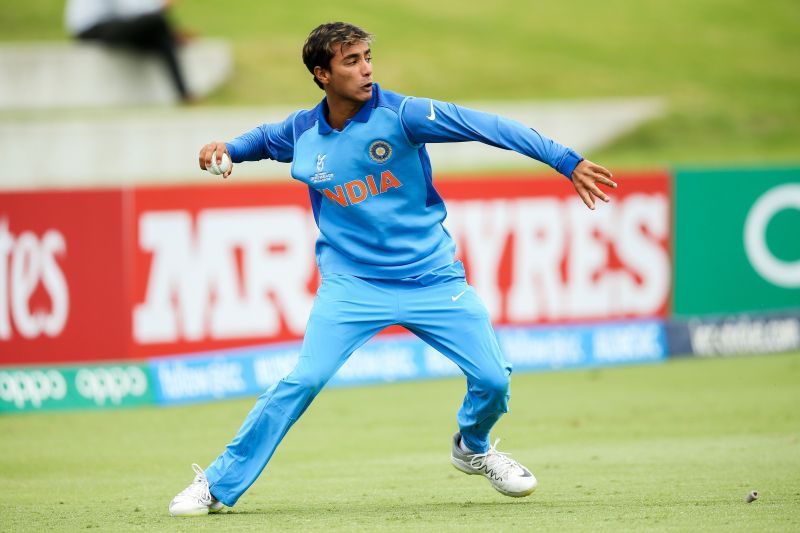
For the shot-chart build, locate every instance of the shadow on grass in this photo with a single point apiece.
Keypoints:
(379, 508)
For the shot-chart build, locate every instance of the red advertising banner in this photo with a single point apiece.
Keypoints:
(233, 265)
(535, 253)
(156, 271)
(63, 277)
(221, 266)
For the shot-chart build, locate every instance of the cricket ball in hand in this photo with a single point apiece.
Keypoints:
(220, 168)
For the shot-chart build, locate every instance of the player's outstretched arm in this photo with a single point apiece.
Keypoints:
(267, 141)
(215, 148)
(430, 121)
(585, 178)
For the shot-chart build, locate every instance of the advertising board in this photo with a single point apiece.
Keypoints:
(136, 273)
(63, 277)
(739, 334)
(737, 241)
(74, 387)
(391, 358)
(220, 267)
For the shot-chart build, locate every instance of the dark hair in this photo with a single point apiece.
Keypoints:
(318, 48)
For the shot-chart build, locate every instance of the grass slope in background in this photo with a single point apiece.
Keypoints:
(674, 446)
(729, 69)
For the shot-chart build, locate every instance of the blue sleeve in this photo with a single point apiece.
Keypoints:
(268, 141)
(430, 121)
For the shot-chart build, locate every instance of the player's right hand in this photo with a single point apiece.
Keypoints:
(208, 150)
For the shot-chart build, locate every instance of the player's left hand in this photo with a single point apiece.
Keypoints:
(585, 178)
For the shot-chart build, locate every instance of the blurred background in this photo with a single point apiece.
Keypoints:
(717, 80)
(130, 277)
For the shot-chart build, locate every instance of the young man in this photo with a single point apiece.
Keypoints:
(383, 254)
(142, 25)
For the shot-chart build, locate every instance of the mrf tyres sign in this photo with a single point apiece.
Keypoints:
(227, 266)
(129, 274)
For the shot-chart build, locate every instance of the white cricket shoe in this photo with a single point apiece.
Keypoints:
(505, 474)
(196, 499)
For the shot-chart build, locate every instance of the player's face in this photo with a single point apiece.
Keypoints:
(350, 75)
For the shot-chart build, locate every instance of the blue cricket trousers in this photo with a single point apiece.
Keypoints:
(438, 306)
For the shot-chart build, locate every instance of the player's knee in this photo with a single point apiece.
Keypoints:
(495, 383)
(309, 383)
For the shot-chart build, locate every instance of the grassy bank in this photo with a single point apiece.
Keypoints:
(727, 69)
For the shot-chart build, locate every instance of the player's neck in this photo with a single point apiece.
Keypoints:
(340, 110)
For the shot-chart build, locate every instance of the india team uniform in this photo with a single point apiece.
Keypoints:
(384, 256)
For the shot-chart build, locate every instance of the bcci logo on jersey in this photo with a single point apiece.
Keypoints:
(380, 151)
(320, 175)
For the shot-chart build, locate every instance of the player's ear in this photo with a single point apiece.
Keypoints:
(322, 75)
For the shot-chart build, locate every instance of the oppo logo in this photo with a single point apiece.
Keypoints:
(103, 386)
(110, 385)
(782, 273)
(33, 387)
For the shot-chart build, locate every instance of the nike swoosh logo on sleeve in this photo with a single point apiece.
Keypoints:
(432, 116)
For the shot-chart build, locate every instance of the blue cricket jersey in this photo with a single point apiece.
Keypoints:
(370, 183)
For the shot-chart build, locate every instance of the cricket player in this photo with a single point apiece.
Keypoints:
(383, 254)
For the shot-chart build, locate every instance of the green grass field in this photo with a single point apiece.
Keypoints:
(728, 69)
(666, 447)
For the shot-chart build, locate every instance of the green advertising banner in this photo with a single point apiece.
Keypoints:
(74, 387)
(737, 240)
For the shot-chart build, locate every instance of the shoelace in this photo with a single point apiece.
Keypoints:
(199, 488)
(496, 463)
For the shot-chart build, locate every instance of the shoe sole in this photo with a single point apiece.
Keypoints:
(187, 515)
(210, 510)
(461, 466)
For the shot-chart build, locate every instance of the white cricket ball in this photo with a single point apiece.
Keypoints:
(751, 497)
(220, 168)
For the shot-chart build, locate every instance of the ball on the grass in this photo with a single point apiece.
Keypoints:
(751, 497)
